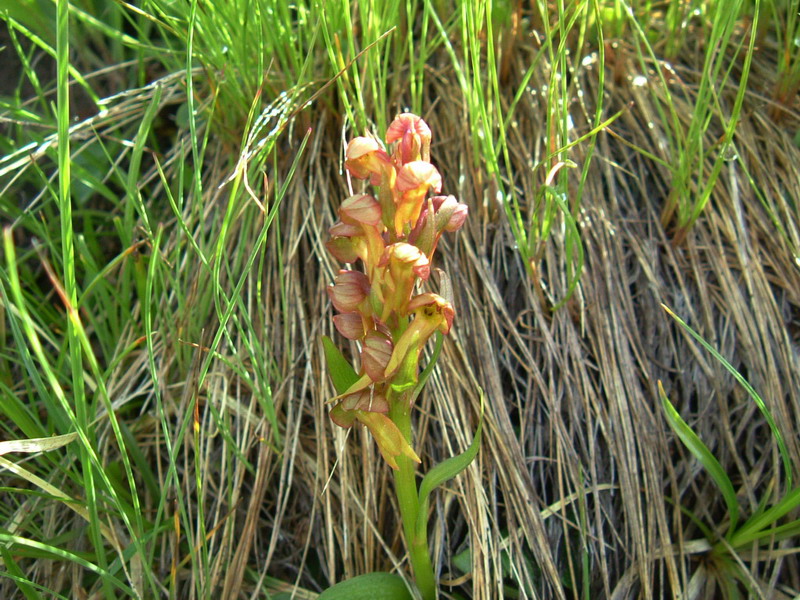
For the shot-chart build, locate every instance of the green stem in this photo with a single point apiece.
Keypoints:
(406, 488)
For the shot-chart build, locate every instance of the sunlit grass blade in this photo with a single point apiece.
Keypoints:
(37, 445)
(83, 410)
(755, 527)
(58, 553)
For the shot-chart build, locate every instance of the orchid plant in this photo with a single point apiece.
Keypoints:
(392, 236)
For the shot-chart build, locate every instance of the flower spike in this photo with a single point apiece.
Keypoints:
(393, 232)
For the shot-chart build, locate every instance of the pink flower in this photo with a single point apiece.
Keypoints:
(390, 440)
(366, 159)
(413, 182)
(358, 234)
(395, 233)
(432, 313)
(401, 264)
(361, 209)
(349, 291)
(366, 401)
(347, 243)
(414, 135)
(375, 354)
(434, 310)
(438, 214)
(450, 213)
(370, 409)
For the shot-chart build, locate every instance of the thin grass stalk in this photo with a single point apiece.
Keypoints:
(82, 410)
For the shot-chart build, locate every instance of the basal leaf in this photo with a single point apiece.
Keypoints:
(372, 586)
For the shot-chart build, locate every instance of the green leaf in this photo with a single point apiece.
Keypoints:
(463, 561)
(787, 461)
(371, 586)
(65, 556)
(341, 371)
(776, 534)
(445, 471)
(753, 529)
(16, 574)
(701, 452)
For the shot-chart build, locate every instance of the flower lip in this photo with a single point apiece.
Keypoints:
(375, 354)
(364, 400)
(350, 325)
(416, 174)
(342, 229)
(433, 306)
(344, 249)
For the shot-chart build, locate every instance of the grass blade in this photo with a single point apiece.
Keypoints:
(109, 580)
(701, 452)
(753, 529)
(787, 462)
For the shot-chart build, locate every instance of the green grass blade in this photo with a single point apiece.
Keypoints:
(701, 452)
(15, 573)
(787, 462)
(83, 411)
(90, 460)
(776, 534)
(752, 530)
(109, 580)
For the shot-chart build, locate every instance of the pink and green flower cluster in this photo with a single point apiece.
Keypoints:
(393, 234)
